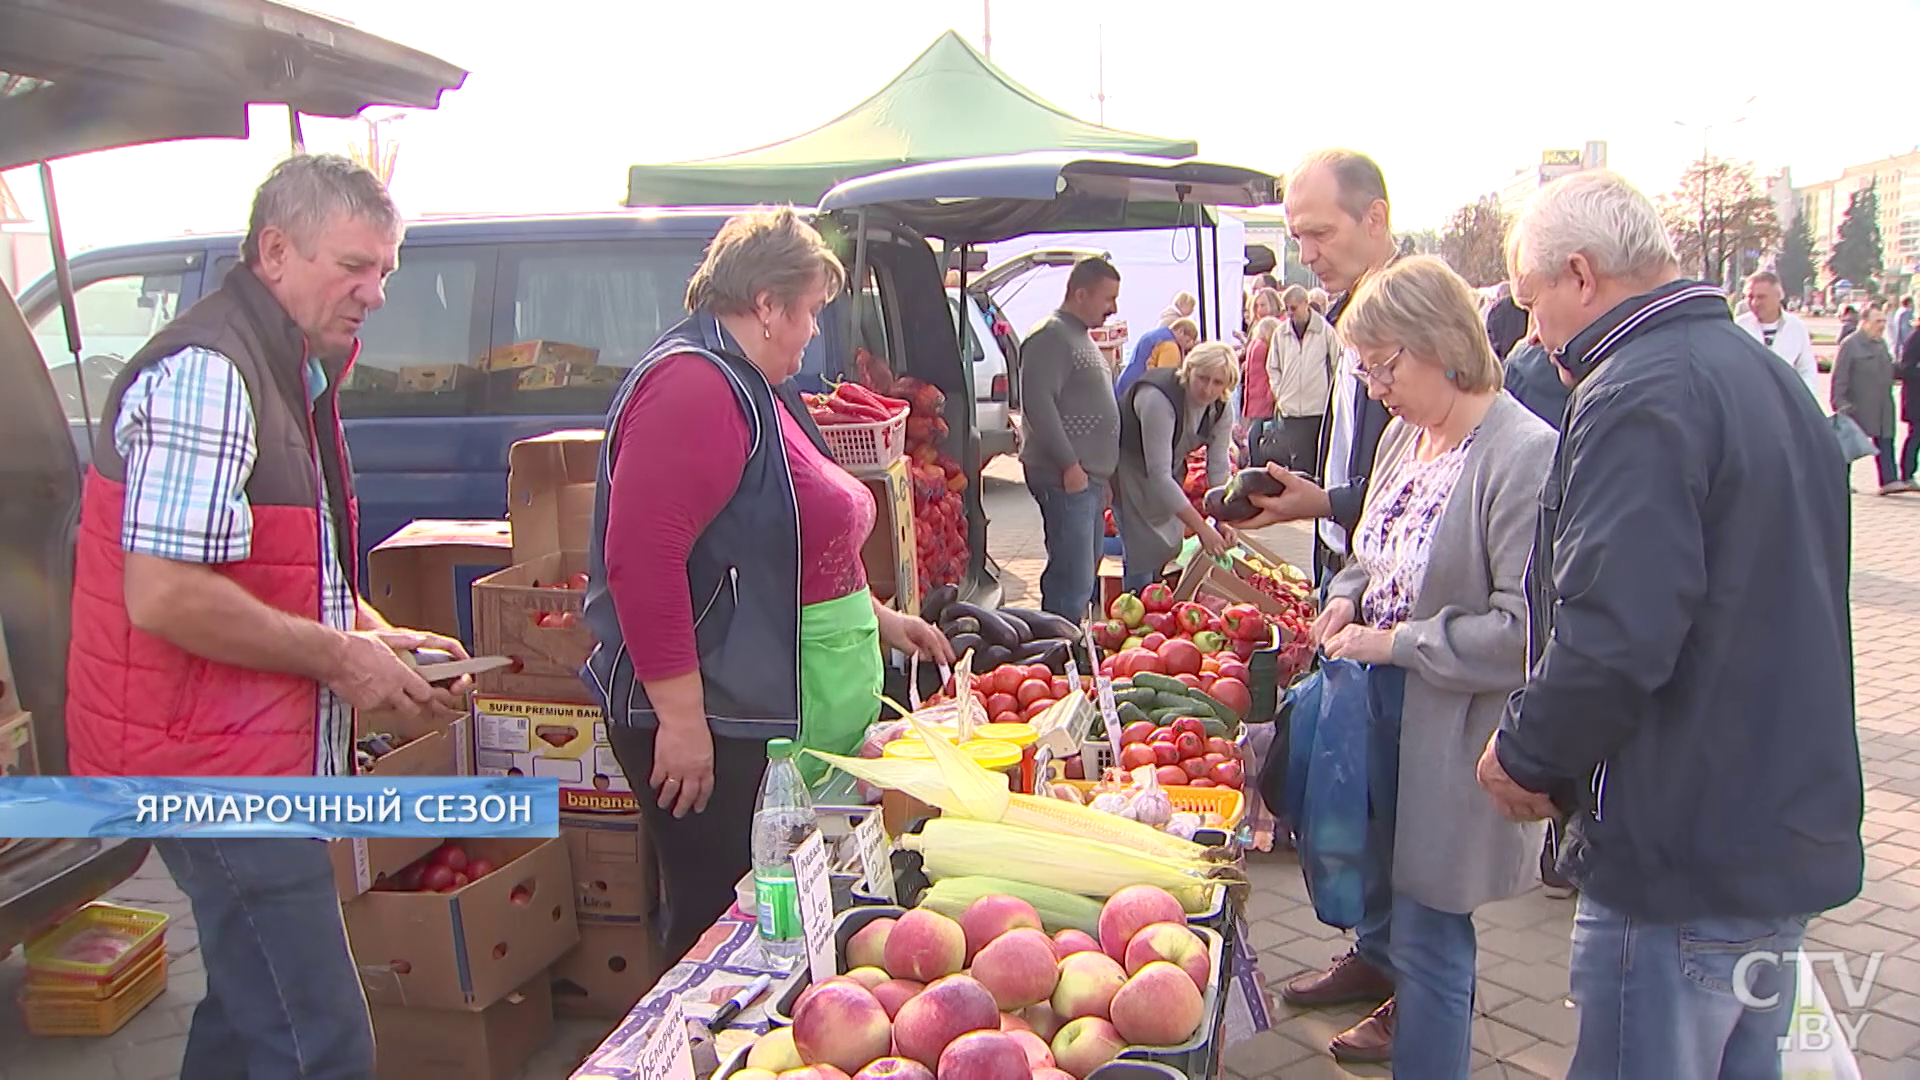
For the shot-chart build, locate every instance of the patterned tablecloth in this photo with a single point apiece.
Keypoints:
(728, 957)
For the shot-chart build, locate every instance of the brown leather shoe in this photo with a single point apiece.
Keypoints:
(1350, 980)
(1369, 1042)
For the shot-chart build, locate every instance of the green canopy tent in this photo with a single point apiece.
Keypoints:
(948, 104)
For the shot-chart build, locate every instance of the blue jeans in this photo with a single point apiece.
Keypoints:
(1433, 972)
(1660, 1000)
(283, 996)
(1386, 690)
(1074, 526)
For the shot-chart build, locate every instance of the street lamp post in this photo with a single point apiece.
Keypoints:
(1706, 261)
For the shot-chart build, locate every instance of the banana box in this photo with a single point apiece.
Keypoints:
(517, 737)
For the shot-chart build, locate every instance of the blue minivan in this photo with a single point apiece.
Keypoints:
(428, 430)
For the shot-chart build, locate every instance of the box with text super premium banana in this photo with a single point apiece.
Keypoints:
(514, 737)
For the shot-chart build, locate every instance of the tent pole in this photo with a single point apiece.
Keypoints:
(1219, 310)
(856, 286)
(1200, 274)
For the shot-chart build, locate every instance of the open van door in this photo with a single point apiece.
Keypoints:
(79, 76)
(983, 200)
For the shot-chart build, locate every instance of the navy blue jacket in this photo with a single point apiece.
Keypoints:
(743, 572)
(1531, 376)
(1690, 701)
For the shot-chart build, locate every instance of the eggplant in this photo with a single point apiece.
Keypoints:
(934, 608)
(1020, 627)
(963, 642)
(1230, 504)
(993, 628)
(1052, 652)
(991, 657)
(1045, 624)
(966, 624)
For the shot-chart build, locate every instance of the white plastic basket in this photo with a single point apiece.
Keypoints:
(867, 447)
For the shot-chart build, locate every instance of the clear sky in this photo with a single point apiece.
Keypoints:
(1451, 97)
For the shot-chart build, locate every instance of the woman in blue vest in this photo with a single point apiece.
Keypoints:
(726, 594)
(1165, 415)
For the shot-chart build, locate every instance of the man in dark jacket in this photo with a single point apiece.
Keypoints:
(1506, 323)
(1688, 715)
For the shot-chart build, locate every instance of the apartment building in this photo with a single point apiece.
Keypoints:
(1553, 165)
(1897, 182)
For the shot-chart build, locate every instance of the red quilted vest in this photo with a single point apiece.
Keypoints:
(139, 706)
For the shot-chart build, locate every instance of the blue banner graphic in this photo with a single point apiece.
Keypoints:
(445, 807)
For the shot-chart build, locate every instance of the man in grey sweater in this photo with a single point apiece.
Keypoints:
(1071, 425)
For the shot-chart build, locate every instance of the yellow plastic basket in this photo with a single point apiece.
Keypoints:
(62, 1013)
(146, 931)
(1231, 805)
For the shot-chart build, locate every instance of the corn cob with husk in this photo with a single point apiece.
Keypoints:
(957, 847)
(958, 786)
(1059, 910)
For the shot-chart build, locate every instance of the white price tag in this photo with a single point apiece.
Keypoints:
(666, 1054)
(1073, 675)
(876, 855)
(812, 878)
(1110, 715)
(913, 683)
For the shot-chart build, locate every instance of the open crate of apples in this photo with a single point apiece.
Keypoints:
(993, 995)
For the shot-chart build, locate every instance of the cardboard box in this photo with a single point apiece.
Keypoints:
(17, 757)
(526, 354)
(561, 740)
(551, 376)
(439, 745)
(551, 482)
(518, 612)
(471, 947)
(422, 576)
(613, 967)
(444, 1044)
(435, 378)
(890, 553)
(370, 379)
(613, 867)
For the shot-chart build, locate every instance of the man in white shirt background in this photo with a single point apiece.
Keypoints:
(1768, 320)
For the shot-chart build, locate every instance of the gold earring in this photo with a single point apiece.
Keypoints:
(766, 331)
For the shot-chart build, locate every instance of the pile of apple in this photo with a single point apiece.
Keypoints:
(446, 868)
(992, 997)
(1238, 629)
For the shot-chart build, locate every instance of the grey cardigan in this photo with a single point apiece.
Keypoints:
(1464, 650)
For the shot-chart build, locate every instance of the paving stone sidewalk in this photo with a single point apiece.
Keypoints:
(1524, 1027)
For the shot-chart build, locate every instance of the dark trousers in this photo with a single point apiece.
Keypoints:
(701, 857)
(283, 996)
(1883, 459)
(1910, 452)
(1300, 444)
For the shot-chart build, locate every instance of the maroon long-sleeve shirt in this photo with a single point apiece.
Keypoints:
(680, 448)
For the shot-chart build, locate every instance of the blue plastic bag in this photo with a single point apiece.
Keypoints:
(1327, 788)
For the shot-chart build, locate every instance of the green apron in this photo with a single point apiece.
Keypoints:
(840, 677)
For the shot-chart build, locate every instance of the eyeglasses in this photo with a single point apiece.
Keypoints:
(1381, 373)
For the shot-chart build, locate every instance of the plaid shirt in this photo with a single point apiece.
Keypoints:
(186, 431)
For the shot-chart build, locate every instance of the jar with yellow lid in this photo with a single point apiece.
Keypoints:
(1001, 757)
(1023, 735)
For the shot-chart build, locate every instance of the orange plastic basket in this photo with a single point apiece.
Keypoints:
(1231, 805)
(145, 932)
(62, 1012)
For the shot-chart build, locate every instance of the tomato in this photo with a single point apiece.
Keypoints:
(1164, 753)
(1161, 734)
(1203, 782)
(1215, 759)
(1191, 682)
(1003, 703)
(1234, 695)
(479, 868)
(1209, 666)
(1076, 770)
(1228, 774)
(1207, 680)
(1234, 669)
(450, 855)
(1195, 767)
(436, 878)
(1172, 776)
(1034, 710)
(1218, 745)
(1134, 756)
(1152, 642)
(1061, 687)
(1189, 745)
(1033, 690)
(577, 582)
(1180, 658)
(1136, 733)
(1008, 677)
(1189, 725)
(1039, 671)
(1009, 717)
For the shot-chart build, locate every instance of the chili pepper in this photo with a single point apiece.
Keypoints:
(835, 416)
(858, 393)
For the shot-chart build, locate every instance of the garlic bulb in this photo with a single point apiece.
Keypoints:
(1111, 803)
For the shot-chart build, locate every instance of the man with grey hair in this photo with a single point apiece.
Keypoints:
(1687, 722)
(217, 627)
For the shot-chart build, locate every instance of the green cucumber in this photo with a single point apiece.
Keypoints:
(1138, 696)
(1129, 713)
(1167, 699)
(1166, 716)
(1208, 703)
(1157, 681)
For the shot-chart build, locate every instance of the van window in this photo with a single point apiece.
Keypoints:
(582, 315)
(117, 316)
(417, 352)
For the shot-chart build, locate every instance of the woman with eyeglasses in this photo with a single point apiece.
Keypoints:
(1434, 604)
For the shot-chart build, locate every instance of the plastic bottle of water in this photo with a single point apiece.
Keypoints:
(782, 821)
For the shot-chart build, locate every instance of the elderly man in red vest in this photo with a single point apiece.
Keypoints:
(217, 626)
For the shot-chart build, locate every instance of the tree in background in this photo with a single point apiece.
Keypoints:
(1720, 218)
(1798, 258)
(1425, 241)
(1474, 242)
(1856, 254)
